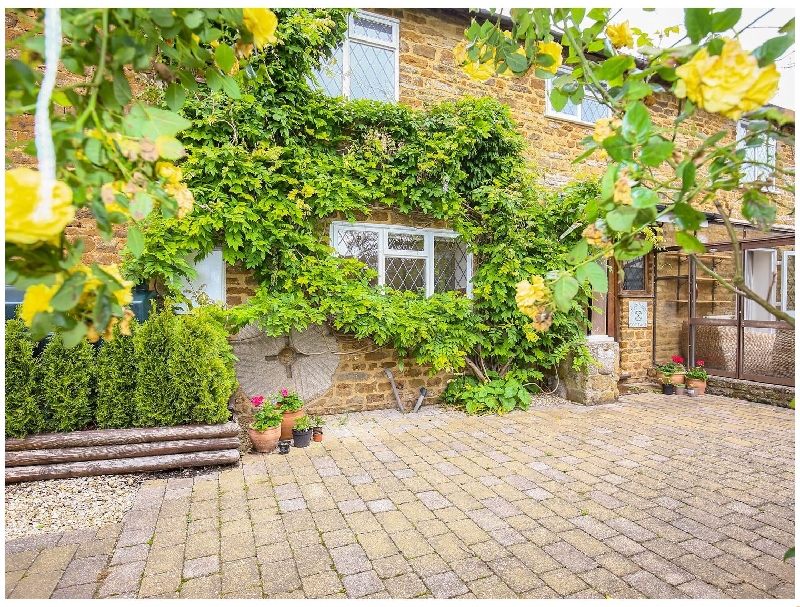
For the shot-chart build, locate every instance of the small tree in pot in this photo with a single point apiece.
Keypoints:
(302, 431)
(291, 406)
(316, 428)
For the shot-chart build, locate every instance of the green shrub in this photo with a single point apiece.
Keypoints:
(499, 395)
(116, 371)
(185, 372)
(23, 414)
(66, 377)
(153, 344)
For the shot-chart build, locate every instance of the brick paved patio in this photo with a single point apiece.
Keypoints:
(653, 497)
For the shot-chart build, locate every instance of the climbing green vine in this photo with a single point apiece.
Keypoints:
(269, 170)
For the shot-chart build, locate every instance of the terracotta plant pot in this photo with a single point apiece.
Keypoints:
(698, 384)
(288, 422)
(302, 439)
(317, 435)
(677, 378)
(265, 441)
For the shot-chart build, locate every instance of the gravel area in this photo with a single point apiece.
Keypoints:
(68, 504)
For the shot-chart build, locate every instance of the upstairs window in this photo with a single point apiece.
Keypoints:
(407, 259)
(756, 156)
(366, 65)
(587, 111)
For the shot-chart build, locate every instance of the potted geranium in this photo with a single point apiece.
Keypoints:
(302, 431)
(667, 386)
(673, 369)
(696, 377)
(316, 428)
(265, 430)
(291, 406)
(680, 389)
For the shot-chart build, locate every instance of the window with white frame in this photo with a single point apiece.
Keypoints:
(407, 259)
(366, 65)
(587, 111)
(755, 155)
(210, 279)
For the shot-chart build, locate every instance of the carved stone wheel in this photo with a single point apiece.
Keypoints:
(303, 361)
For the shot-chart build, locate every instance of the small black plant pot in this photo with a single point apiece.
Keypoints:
(284, 446)
(302, 439)
(668, 389)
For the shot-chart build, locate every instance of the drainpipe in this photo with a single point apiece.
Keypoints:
(394, 389)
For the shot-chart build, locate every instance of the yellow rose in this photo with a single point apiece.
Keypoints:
(460, 53)
(620, 35)
(123, 295)
(169, 171)
(262, 23)
(531, 294)
(37, 299)
(183, 196)
(479, 71)
(728, 84)
(602, 130)
(23, 224)
(554, 50)
(622, 191)
(593, 236)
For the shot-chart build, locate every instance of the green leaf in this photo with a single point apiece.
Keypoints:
(758, 209)
(619, 149)
(525, 398)
(698, 23)
(516, 62)
(213, 79)
(577, 15)
(715, 46)
(689, 242)
(614, 67)
(725, 20)
(644, 197)
(578, 252)
(772, 49)
(598, 277)
(636, 124)
(558, 100)
(621, 219)
(93, 150)
(194, 19)
(135, 241)
(687, 174)
(656, 151)
(141, 205)
(632, 249)
(151, 122)
(175, 97)
(72, 337)
(635, 89)
(161, 16)
(122, 89)
(169, 148)
(230, 87)
(224, 57)
(69, 294)
(789, 553)
(102, 307)
(564, 289)
(687, 217)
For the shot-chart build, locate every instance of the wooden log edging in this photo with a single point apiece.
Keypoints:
(121, 466)
(126, 436)
(86, 454)
(95, 452)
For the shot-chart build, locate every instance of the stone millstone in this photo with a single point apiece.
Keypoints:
(303, 361)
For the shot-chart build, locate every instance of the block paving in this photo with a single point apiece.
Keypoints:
(649, 497)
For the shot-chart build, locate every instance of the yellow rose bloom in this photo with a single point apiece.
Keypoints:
(602, 130)
(479, 71)
(460, 53)
(169, 171)
(262, 23)
(592, 235)
(622, 191)
(729, 84)
(531, 294)
(620, 35)
(22, 196)
(123, 295)
(554, 50)
(37, 299)
(183, 196)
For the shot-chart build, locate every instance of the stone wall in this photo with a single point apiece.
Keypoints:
(781, 396)
(599, 384)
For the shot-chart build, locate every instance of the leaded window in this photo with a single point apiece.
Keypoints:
(759, 158)
(635, 275)
(366, 65)
(587, 111)
(407, 259)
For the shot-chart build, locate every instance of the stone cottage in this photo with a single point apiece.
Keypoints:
(657, 307)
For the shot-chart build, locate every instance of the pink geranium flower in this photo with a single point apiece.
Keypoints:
(701, 363)
(257, 401)
(284, 392)
(677, 359)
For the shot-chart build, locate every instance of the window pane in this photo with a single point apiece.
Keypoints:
(449, 265)
(329, 74)
(634, 275)
(592, 109)
(372, 72)
(406, 242)
(716, 347)
(366, 28)
(405, 274)
(570, 109)
(360, 244)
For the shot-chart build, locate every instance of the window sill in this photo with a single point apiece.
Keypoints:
(567, 118)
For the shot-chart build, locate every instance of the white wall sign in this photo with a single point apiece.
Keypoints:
(637, 313)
